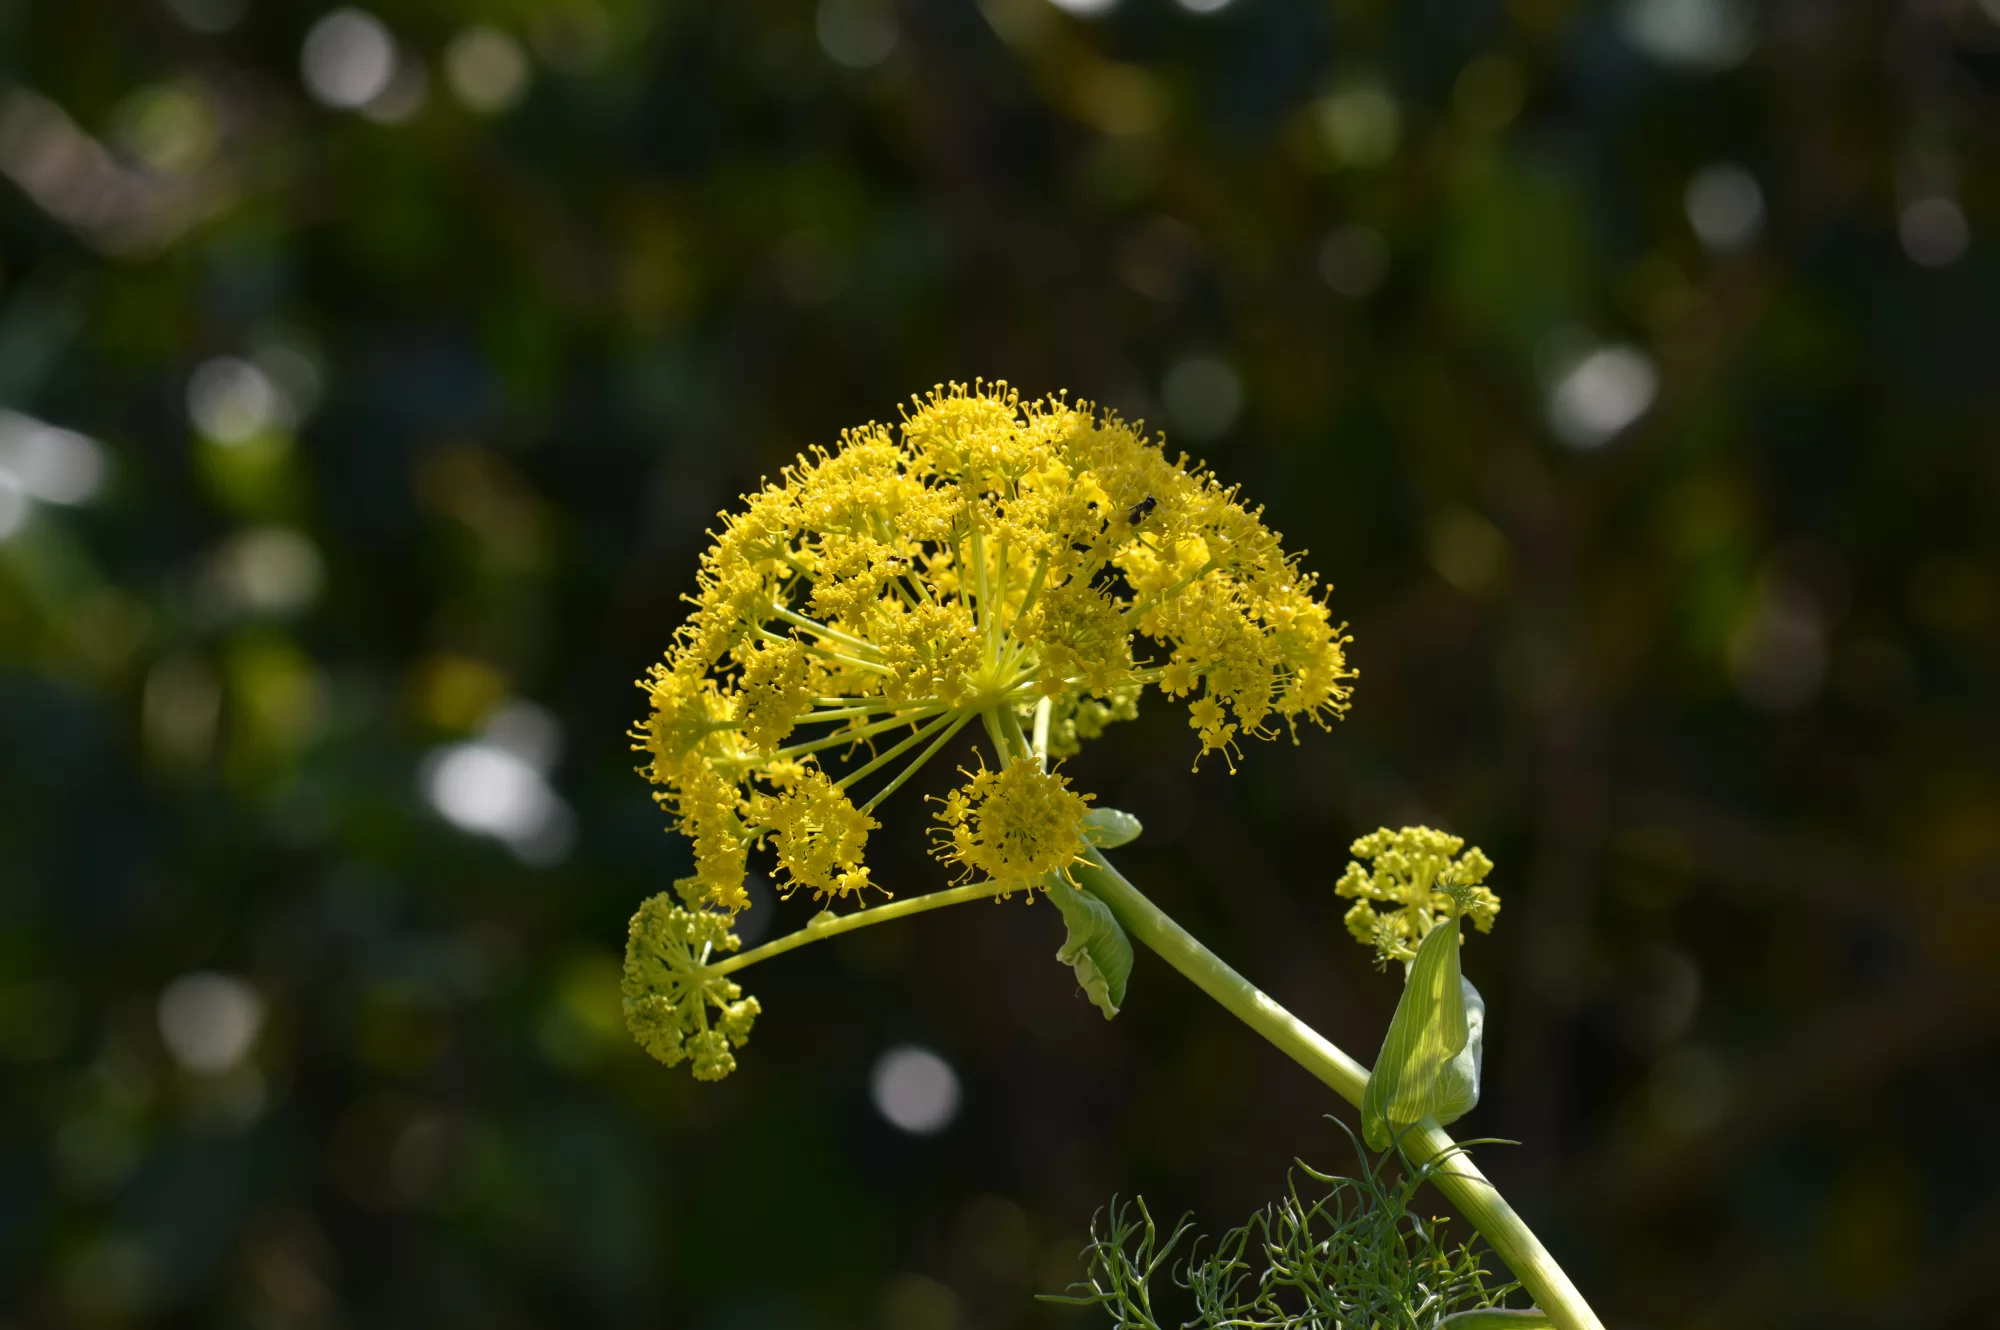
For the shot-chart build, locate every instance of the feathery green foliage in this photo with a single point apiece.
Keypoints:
(1356, 1258)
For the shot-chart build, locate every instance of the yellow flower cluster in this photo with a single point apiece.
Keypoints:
(1034, 563)
(1013, 825)
(669, 993)
(1418, 875)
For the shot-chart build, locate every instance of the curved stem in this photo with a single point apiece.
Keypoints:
(816, 931)
(1458, 1178)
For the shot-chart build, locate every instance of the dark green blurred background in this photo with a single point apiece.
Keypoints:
(372, 376)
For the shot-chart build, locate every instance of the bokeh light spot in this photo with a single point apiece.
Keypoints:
(1467, 550)
(171, 127)
(1933, 231)
(1203, 396)
(1601, 394)
(348, 59)
(1724, 206)
(1699, 36)
(1778, 653)
(1354, 261)
(856, 34)
(1362, 126)
(231, 400)
(271, 569)
(487, 69)
(209, 1020)
(50, 464)
(915, 1089)
(497, 785)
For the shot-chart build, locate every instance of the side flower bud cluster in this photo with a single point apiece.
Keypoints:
(675, 1006)
(1413, 880)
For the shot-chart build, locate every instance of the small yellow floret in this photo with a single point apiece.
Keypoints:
(818, 834)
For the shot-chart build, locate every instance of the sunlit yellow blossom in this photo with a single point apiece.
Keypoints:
(818, 834)
(1012, 825)
(774, 692)
(1414, 874)
(1030, 564)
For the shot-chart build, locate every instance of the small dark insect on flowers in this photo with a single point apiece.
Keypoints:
(1142, 509)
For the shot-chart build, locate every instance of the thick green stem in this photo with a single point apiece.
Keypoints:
(1458, 1178)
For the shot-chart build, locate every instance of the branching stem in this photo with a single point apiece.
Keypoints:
(852, 736)
(929, 728)
(835, 925)
(814, 626)
(917, 764)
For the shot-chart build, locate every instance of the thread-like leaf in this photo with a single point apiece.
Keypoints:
(1356, 1257)
(1430, 1060)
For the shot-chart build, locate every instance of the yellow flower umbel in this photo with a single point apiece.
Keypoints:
(1013, 825)
(1033, 564)
(674, 1007)
(1414, 874)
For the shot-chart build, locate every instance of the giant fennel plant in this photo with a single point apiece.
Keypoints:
(1034, 566)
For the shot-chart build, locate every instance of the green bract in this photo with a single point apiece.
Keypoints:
(1429, 1064)
(1096, 948)
(1108, 828)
